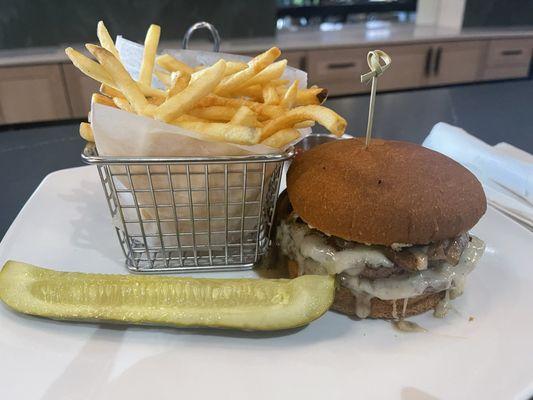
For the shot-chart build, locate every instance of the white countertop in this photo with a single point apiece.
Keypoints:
(358, 35)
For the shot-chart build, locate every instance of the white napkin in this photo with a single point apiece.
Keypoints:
(505, 171)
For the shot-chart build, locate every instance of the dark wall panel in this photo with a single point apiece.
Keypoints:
(25, 23)
(480, 13)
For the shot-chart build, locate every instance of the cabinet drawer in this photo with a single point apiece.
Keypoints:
(80, 88)
(341, 88)
(340, 71)
(512, 72)
(458, 62)
(336, 65)
(409, 68)
(295, 59)
(34, 93)
(509, 52)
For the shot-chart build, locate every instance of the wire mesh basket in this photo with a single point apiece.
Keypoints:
(186, 214)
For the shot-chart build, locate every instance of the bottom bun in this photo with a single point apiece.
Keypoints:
(345, 302)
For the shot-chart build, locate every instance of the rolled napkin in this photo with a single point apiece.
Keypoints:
(505, 171)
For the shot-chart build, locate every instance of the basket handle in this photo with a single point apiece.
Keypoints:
(202, 25)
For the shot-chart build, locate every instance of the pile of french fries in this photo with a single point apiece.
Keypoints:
(242, 103)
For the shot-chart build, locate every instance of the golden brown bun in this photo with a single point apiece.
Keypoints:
(345, 301)
(390, 192)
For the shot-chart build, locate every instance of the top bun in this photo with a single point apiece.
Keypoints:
(390, 192)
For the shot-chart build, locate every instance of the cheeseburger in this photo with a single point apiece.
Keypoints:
(391, 221)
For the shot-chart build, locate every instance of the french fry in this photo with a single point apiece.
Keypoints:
(110, 91)
(185, 100)
(254, 92)
(304, 124)
(332, 121)
(273, 71)
(282, 138)
(270, 95)
(94, 70)
(101, 99)
(120, 76)
(157, 101)
(149, 110)
(279, 82)
(311, 96)
(222, 132)
(150, 91)
(289, 98)
(86, 132)
(214, 113)
(105, 39)
(255, 65)
(89, 67)
(164, 77)
(245, 116)
(266, 58)
(178, 81)
(263, 119)
(171, 64)
(146, 91)
(150, 49)
(233, 67)
(123, 104)
(189, 118)
(267, 110)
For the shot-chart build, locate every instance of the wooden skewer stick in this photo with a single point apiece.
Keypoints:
(373, 59)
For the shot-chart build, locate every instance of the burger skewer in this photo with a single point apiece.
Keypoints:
(376, 70)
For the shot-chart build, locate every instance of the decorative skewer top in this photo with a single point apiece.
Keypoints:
(377, 69)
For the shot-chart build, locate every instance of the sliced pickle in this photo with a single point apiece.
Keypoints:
(250, 304)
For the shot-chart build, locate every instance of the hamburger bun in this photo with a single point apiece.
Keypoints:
(390, 192)
(345, 302)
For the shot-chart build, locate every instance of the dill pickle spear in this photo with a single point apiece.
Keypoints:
(250, 304)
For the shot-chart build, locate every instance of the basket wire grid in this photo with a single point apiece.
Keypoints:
(186, 214)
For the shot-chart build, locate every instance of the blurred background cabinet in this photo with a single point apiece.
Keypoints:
(508, 58)
(413, 66)
(410, 68)
(296, 59)
(456, 62)
(56, 91)
(33, 93)
(79, 88)
(337, 70)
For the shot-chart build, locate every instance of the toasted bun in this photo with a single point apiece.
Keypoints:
(345, 302)
(390, 192)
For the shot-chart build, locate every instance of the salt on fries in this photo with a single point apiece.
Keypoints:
(235, 102)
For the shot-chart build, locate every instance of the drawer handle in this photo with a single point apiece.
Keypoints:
(341, 65)
(516, 52)
(436, 66)
(429, 58)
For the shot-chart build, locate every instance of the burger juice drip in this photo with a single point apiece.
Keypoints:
(394, 310)
(363, 304)
(407, 326)
(404, 308)
(442, 306)
(315, 255)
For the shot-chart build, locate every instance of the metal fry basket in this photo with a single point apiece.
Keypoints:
(185, 214)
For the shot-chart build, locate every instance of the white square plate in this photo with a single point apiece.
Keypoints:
(66, 226)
